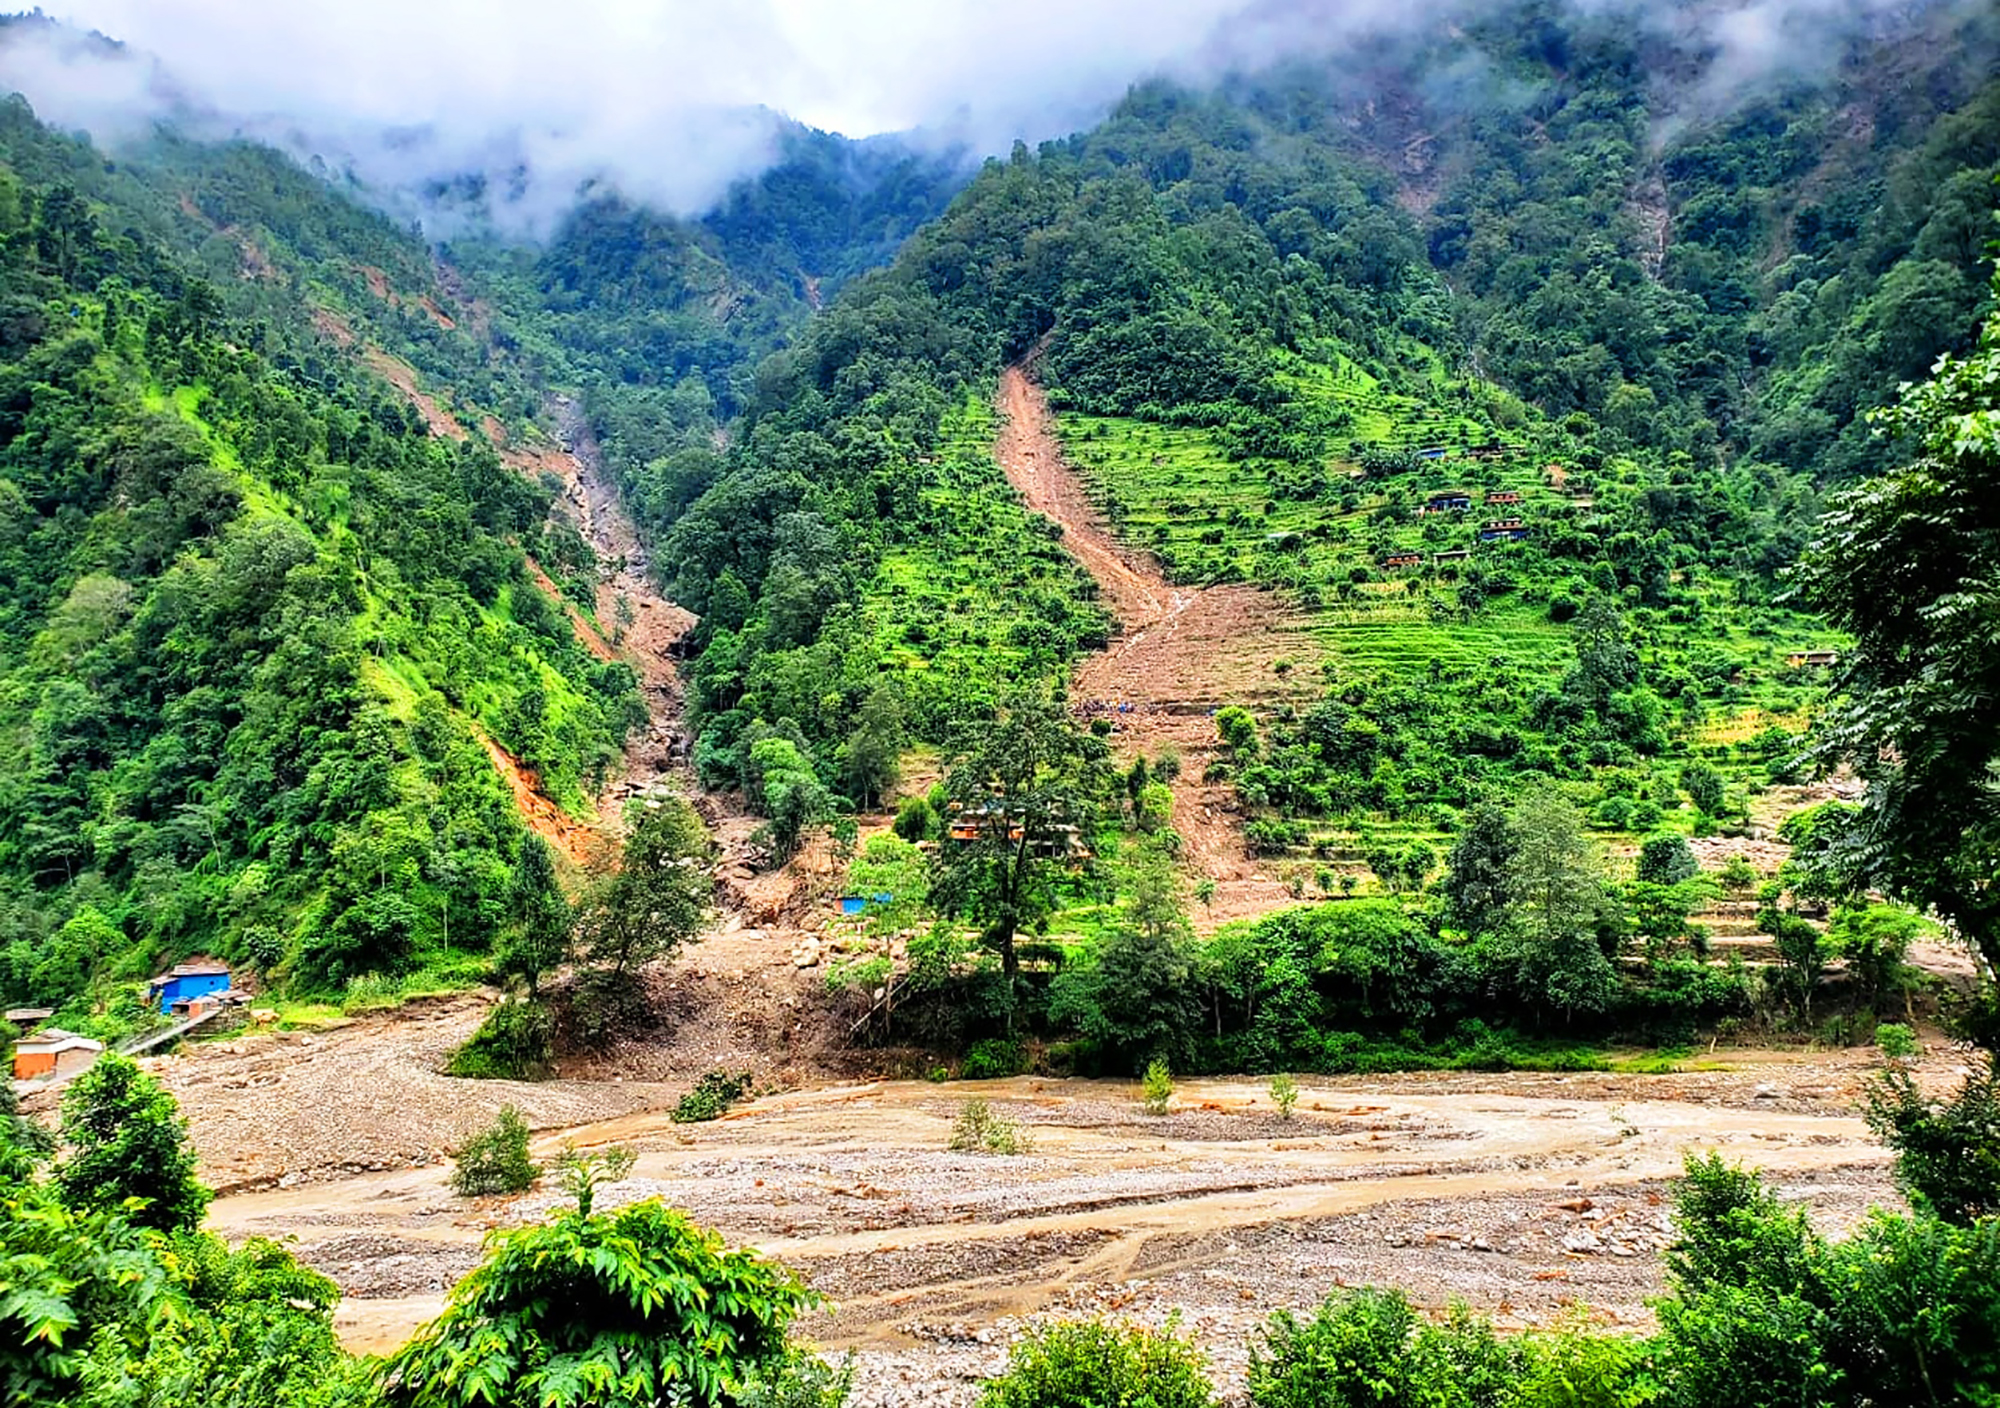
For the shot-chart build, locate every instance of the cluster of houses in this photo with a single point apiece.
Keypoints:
(187, 992)
(1509, 528)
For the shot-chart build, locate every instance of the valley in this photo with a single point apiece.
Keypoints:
(1520, 1194)
(1323, 741)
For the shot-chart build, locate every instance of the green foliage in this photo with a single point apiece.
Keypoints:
(639, 1305)
(661, 894)
(1666, 860)
(516, 1041)
(1031, 781)
(1905, 563)
(1284, 1094)
(541, 914)
(711, 1097)
(259, 620)
(75, 1277)
(1092, 1365)
(496, 1159)
(1896, 1041)
(583, 1172)
(978, 1130)
(124, 1139)
(1947, 1151)
(1156, 1089)
(801, 1379)
(1136, 1003)
(1368, 1347)
(994, 1058)
(1873, 940)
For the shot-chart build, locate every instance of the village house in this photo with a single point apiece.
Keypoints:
(1812, 659)
(1503, 496)
(1403, 559)
(54, 1052)
(186, 982)
(1503, 530)
(1452, 502)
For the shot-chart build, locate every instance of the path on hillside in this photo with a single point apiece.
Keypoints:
(1179, 653)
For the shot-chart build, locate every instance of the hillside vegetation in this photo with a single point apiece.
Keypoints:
(291, 583)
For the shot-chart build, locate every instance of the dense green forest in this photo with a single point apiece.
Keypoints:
(268, 619)
(1237, 290)
(258, 622)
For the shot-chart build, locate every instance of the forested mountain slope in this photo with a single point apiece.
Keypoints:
(282, 554)
(275, 586)
(1286, 315)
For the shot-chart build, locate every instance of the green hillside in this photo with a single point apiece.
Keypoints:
(265, 620)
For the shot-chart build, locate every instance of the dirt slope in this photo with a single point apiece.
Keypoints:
(1180, 653)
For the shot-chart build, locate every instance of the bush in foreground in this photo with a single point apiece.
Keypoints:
(1089, 1364)
(495, 1160)
(637, 1306)
(127, 1139)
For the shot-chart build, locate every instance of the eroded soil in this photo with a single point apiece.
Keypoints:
(1516, 1193)
(1180, 653)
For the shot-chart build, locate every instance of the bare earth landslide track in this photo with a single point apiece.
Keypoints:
(1179, 652)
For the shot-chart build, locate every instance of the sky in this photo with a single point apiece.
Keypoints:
(672, 99)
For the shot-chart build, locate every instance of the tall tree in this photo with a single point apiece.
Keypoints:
(659, 897)
(1027, 785)
(542, 913)
(1909, 565)
(126, 1139)
(1476, 872)
(869, 764)
(1558, 901)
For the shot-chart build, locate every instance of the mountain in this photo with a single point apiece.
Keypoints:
(293, 610)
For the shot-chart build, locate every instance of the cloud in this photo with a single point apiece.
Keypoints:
(670, 100)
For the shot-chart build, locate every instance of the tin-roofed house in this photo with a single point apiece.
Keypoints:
(54, 1052)
(187, 982)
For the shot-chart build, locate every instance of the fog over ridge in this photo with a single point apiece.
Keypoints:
(670, 101)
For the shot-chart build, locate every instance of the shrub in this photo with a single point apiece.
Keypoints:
(977, 1130)
(994, 1059)
(1368, 1347)
(517, 1041)
(1897, 1041)
(1157, 1091)
(1092, 1365)
(1947, 1151)
(714, 1093)
(125, 1138)
(1284, 1094)
(639, 1306)
(1738, 876)
(582, 1173)
(495, 1160)
(800, 1380)
(916, 820)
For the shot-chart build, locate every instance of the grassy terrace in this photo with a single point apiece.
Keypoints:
(974, 583)
(1325, 533)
